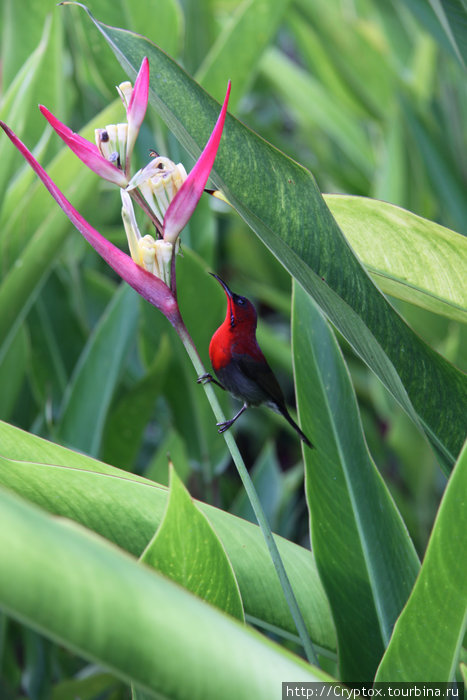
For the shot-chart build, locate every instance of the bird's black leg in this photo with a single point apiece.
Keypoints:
(205, 378)
(225, 426)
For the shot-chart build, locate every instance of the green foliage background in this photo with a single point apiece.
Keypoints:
(371, 98)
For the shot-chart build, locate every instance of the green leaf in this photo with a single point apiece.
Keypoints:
(294, 222)
(89, 393)
(452, 15)
(428, 636)
(187, 550)
(84, 593)
(127, 509)
(238, 48)
(409, 257)
(364, 555)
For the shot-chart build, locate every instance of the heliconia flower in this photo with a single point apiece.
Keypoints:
(148, 285)
(110, 159)
(86, 151)
(164, 190)
(184, 203)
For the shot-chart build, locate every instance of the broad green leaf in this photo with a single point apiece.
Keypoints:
(186, 549)
(127, 509)
(238, 48)
(364, 555)
(82, 592)
(410, 258)
(279, 199)
(428, 635)
(89, 393)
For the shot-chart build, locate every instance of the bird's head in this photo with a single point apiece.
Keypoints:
(240, 311)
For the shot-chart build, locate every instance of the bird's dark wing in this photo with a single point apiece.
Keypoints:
(263, 376)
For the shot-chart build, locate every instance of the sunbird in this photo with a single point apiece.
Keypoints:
(239, 364)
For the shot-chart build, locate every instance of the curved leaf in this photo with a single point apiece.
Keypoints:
(428, 636)
(363, 552)
(187, 550)
(410, 257)
(83, 592)
(127, 509)
(294, 222)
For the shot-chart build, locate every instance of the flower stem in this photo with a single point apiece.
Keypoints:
(252, 495)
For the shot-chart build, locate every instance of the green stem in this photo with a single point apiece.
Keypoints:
(252, 495)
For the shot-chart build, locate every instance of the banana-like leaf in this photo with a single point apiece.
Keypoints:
(279, 199)
(127, 509)
(363, 552)
(83, 592)
(409, 257)
(428, 636)
(187, 550)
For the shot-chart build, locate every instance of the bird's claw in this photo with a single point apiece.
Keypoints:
(205, 378)
(223, 426)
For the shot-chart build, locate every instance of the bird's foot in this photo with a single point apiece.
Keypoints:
(226, 424)
(207, 378)
(222, 427)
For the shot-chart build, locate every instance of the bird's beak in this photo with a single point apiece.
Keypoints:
(221, 281)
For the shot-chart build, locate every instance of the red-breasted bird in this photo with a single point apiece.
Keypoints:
(240, 365)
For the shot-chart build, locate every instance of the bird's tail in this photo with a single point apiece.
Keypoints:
(289, 419)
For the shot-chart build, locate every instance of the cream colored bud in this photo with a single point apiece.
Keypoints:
(147, 248)
(164, 253)
(125, 90)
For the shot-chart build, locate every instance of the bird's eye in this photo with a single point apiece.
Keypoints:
(240, 301)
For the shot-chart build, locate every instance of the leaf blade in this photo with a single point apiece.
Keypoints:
(366, 559)
(437, 604)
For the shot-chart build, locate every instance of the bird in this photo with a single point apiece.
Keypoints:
(240, 365)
